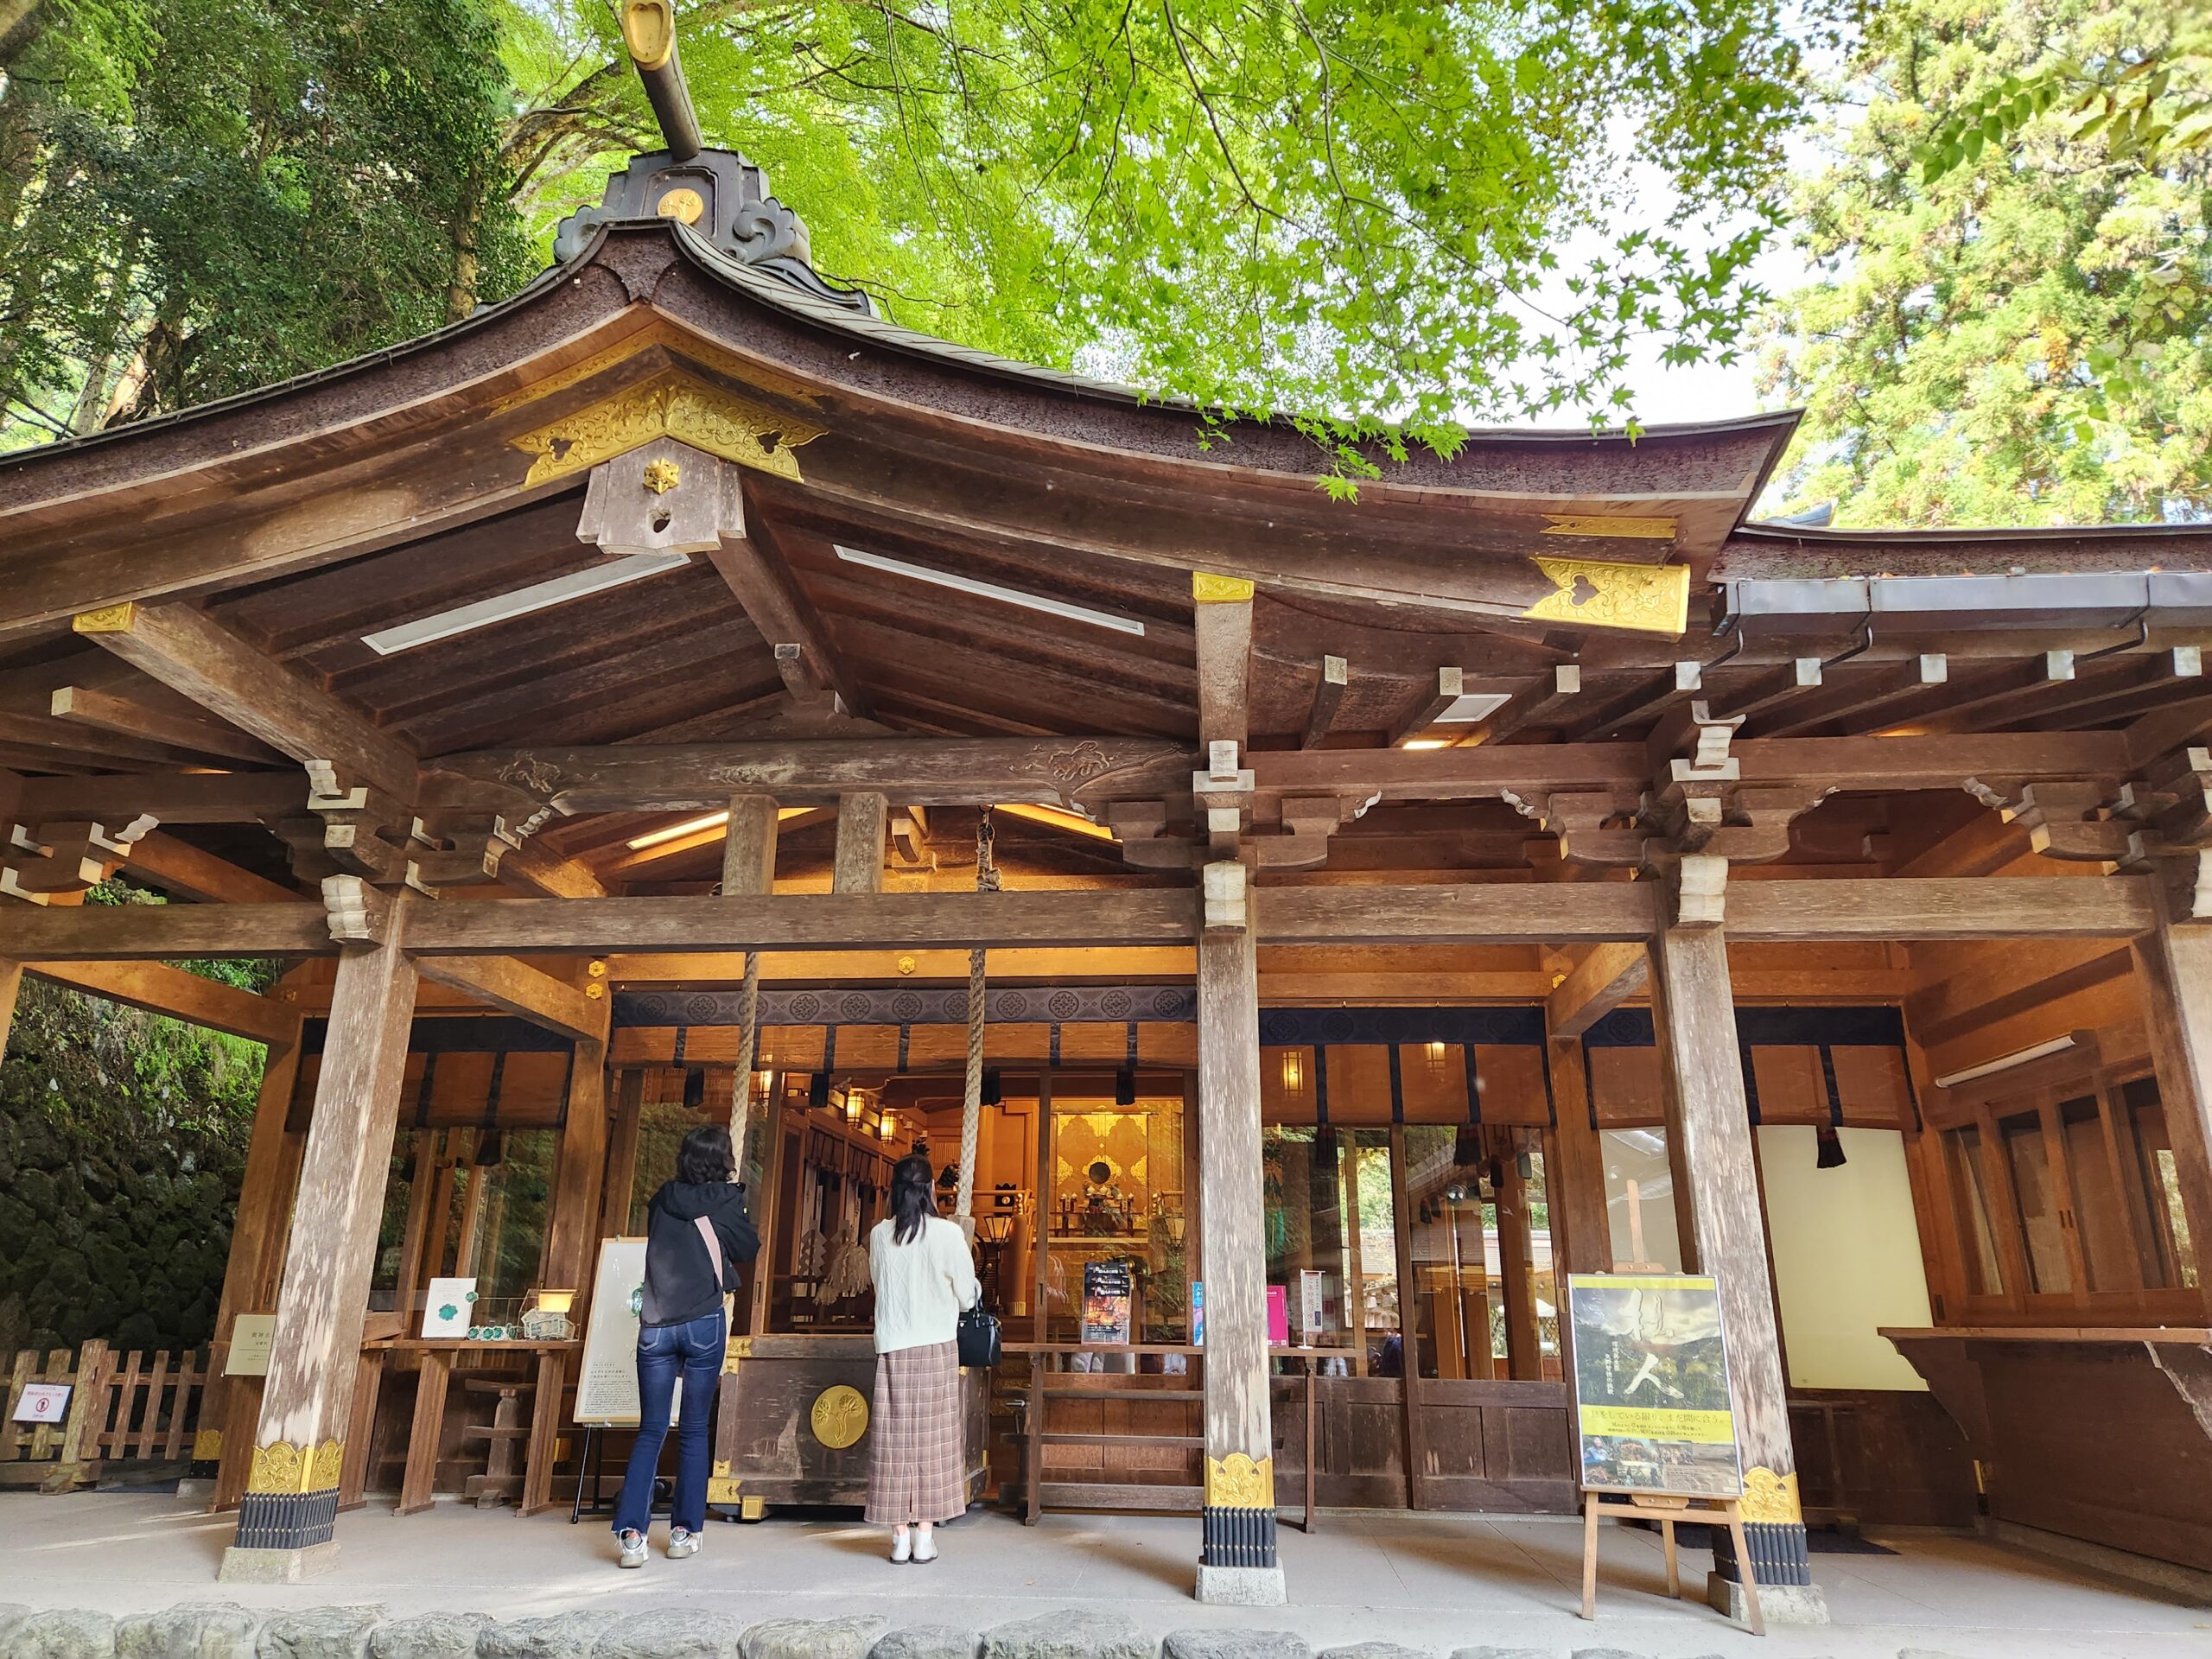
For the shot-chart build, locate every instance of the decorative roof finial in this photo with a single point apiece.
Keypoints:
(720, 194)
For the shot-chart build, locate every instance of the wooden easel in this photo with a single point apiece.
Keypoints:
(1666, 1509)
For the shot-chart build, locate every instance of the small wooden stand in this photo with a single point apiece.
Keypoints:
(1666, 1510)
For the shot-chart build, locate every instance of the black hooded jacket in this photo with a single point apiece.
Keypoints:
(680, 1282)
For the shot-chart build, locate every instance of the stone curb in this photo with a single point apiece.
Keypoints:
(226, 1630)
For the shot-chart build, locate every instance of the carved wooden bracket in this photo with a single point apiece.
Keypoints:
(65, 856)
(1697, 891)
(1226, 885)
(357, 913)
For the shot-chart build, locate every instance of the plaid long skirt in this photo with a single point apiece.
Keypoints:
(914, 1437)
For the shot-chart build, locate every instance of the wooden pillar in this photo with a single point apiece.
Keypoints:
(2175, 962)
(863, 820)
(1516, 1266)
(11, 982)
(622, 1152)
(572, 1223)
(286, 1520)
(1716, 1190)
(264, 1202)
(1237, 1564)
(1575, 1182)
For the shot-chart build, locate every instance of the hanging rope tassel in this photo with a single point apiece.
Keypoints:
(971, 1105)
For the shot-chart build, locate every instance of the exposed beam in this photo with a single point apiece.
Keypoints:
(2011, 688)
(1222, 624)
(2000, 983)
(534, 867)
(1491, 770)
(1328, 697)
(156, 933)
(65, 738)
(926, 771)
(1346, 914)
(1542, 699)
(758, 576)
(1653, 696)
(172, 798)
(1994, 907)
(526, 992)
(105, 711)
(178, 867)
(2155, 735)
(1772, 690)
(1431, 702)
(192, 653)
(159, 989)
(1607, 975)
(801, 921)
(1857, 694)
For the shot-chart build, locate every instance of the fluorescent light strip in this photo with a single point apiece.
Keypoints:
(992, 590)
(695, 826)
(538, 596)
(2006, 1062)
(1471, 706)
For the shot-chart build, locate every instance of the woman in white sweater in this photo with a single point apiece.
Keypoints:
(923, 1277)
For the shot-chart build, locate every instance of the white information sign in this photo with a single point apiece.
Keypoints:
(43, 1402)
(252, 1337)
(446, 1309)
(606, 1384)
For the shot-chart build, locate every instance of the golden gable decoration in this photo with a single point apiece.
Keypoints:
(1601, 593)
(670, 405)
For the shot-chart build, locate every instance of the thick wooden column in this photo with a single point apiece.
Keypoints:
(2175, 962)
(249, 1276)
(863, 822)
(1575, 1183)
(1716, 1197)
(1516, 1259)
(291, 1501)
(1237, 1563)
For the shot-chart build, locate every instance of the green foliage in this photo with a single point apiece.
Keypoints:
(1351, 208)
(123, 1143)
(2013, 322)
(1346, 209)
(204, 196)
(123, 1140)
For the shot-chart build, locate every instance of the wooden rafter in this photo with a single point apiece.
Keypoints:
(192, 653)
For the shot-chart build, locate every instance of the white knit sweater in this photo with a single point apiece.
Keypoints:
(921, 1286)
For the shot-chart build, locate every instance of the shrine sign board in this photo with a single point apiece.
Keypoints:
(1652, 1385)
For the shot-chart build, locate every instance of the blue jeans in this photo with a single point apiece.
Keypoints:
(695, 1350)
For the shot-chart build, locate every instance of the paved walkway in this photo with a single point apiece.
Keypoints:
(1438, 1582)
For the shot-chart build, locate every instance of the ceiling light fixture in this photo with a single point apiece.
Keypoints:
(2006, 1062)
(1426, 743)
(1470, 706)
(696, 826)
(1059, 820)
(538, 596)
(992, 590)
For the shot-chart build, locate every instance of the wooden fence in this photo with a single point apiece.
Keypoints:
(129, 1409)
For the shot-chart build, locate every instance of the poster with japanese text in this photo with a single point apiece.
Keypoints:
(1652, 1385)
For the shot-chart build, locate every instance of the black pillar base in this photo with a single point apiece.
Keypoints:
(1778, 1552)
(286, 1520)
(1237, 1537)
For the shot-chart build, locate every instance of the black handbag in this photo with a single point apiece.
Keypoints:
(979, 1337)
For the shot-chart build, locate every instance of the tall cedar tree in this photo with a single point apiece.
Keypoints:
(2013, 322)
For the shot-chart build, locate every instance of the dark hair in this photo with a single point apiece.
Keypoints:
(705, 1158)
(914, 1197)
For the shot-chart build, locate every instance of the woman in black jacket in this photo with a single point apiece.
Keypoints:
(697, 1235)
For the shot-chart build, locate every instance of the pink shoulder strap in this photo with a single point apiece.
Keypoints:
(714, 1249)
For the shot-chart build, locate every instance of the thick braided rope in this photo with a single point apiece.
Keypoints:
(971, 1105)
(748, 1043)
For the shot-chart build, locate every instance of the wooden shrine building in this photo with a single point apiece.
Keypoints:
(609, 703)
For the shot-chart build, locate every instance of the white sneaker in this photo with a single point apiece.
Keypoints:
(926, 1545)
(633, 1549)
(902, 1545)
(682, 1543)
